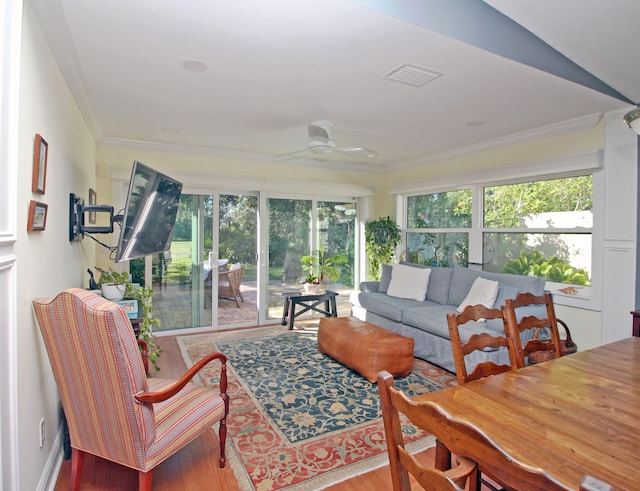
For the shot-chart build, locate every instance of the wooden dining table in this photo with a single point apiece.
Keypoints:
(573, 416)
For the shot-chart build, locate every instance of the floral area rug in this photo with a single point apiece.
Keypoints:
(298, 419)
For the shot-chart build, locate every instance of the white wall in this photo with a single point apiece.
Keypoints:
(47, 262)
(10, 34)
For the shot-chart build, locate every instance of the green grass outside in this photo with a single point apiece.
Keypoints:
(179, 268)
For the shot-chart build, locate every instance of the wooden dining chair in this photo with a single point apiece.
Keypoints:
(401, 462)
(461, 437)
(551, 345)
(477, 342)
(113, 410)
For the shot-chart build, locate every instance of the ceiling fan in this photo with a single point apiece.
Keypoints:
(322, 145)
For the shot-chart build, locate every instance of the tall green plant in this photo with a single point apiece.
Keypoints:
(381, 238)
(322, 266)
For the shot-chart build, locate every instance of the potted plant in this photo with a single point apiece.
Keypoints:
(381, 237)
(113, 284)
(321, 267)
(144, 296)
(311, 283)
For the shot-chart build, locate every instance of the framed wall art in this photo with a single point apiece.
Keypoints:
(37, 216)
(40, 151)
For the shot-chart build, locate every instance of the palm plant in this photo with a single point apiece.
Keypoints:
(322, 267)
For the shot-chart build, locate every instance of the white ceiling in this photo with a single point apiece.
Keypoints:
(274, 66)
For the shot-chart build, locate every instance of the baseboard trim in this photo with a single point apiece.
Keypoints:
(51, 470)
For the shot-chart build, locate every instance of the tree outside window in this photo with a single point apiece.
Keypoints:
(541, 228)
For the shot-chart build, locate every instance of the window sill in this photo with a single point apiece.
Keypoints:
(582, 298)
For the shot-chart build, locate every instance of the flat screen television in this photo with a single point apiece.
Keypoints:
(149, 214)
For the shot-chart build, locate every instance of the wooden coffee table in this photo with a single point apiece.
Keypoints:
(309, 301)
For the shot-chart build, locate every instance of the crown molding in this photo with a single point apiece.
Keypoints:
(557, 167)
(555, 129)
(193, 182)
(235, 155)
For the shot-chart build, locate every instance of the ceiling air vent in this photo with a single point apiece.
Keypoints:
(412, 75)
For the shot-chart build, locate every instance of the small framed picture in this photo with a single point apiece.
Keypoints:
(130, 307)
(37, 216)
(39, 177)
(93, 199)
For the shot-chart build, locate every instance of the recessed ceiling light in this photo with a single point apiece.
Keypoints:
(194, 66)
(172, 131)
(471, 124)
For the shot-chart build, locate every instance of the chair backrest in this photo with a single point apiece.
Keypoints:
(98, 368)
(229, 281)
(401, 462)
(477, 342)
(460, 437)
(235, 278)
(552, 345)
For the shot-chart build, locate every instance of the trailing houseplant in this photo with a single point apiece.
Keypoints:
(144, 296)
(381, 238)
(113, 284)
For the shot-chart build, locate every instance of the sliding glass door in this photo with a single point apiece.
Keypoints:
(237, 296)
(195, 285)
(289, 238)
(302, 227)
(214, 233)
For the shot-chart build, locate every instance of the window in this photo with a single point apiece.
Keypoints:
(541, 228)
(438, 228)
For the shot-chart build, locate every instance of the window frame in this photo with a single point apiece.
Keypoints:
(588, 297)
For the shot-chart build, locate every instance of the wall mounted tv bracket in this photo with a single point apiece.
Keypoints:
(77, 210)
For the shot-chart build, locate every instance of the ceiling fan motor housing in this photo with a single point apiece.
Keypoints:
(319, 146)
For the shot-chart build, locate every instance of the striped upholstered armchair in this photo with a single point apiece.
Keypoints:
(113, 410)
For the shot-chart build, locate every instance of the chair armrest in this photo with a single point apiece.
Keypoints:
(152, 397)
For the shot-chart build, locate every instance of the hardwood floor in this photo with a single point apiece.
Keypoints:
(195, 467)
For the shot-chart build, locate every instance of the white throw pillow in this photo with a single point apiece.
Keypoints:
(409, 282)
(235, 266)
(482, 292)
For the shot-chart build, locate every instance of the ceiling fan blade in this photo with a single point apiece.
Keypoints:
(291, 155)
(359, 152)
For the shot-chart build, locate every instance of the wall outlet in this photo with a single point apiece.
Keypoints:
(41, 432)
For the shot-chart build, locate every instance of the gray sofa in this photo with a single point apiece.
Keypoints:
(426, 321)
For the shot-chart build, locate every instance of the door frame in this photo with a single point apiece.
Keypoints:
(263, 241)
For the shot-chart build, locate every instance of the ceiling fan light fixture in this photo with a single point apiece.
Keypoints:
(632, 118)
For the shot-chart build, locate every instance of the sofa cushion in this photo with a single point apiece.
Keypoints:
(385, 278)
(463, 278)
(408, 282)
(504, 291)
(439, 281)
(431, 317)
(383, 305)
(482, 292)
